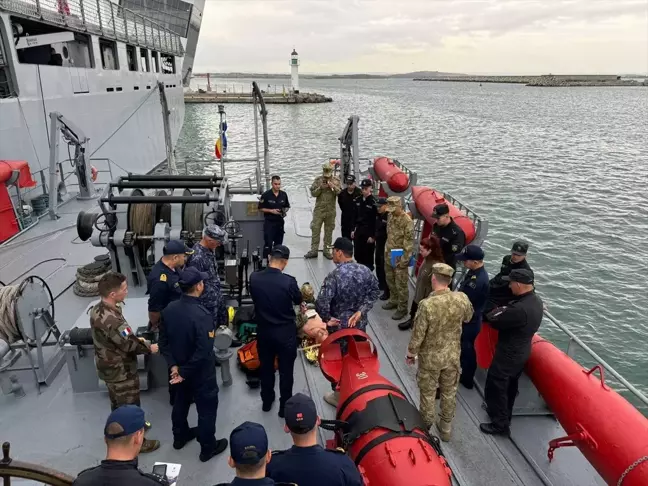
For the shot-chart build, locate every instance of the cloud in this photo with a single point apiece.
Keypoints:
(509, 36)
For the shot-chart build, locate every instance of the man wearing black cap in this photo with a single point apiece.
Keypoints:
(124, 436)
(516, 322)
(306, 462)
(475, 286)
(249, 455)
(346, 202)
(499, 291)
(347, 294)
(364, 227)
(450, 235)
(274, 205)
(162, 280)
(187, 343)
(274, 294)
(381, 240)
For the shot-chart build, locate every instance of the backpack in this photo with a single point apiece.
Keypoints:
(248, 361)
(244, 324)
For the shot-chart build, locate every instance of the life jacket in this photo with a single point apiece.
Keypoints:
(248, 361)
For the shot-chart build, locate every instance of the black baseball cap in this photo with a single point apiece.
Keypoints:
(520, 248)
(344, 244)
(280, 251)
(248, 443)
(191, 276)
(521, 275)
(177, 247)
(366, 183)
(471, 252)
(350, 179)
(300, 413)
(440, 210)
(129, 418)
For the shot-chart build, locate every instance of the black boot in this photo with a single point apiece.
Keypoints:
(385, 295)
(491, 429)
(404, 326)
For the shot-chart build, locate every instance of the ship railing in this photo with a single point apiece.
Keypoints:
(575, 344)
(101, 17)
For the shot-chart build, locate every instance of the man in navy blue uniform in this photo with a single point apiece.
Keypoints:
(381, 240)
(274, 205)
(274, 294)
(475, 286)
(249, 455)
(500, 293)
(364, 225)
(306, 462)
(162, 281)
(451, 236)
(187, 343)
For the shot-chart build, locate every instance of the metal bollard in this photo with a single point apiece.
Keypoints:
(222, 341)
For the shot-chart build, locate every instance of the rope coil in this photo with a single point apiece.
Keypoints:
(9, 331)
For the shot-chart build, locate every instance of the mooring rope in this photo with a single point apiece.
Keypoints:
(9, 331)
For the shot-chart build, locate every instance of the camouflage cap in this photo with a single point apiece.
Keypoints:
(214, 232)
(393, 202)
(443, 269)
(327, 167)
(308, 294)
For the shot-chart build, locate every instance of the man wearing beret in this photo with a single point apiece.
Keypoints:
(324, 189)
(346, 201)
(450, 235)
(249, 456)
(306, 462)
(436, 344)
(400, 236)
(187, 343)
(499, 292)
(516, 322)
(124, 436)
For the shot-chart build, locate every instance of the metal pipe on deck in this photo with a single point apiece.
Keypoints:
(165, 184)
(152, 177)
(157, 199)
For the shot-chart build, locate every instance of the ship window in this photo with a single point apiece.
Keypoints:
(108, 50)
(144, 60)
(130, 57)
(156, 61)
(46, 44)
(168, 64)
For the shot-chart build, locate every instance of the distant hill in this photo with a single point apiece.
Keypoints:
(416, 74)
(423, 74)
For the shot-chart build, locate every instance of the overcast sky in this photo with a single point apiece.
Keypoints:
(466, 36)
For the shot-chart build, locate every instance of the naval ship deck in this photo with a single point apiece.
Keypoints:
(63, 430)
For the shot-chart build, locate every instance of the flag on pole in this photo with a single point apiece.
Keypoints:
(218, 149)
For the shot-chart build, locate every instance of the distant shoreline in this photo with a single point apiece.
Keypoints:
(547, 81)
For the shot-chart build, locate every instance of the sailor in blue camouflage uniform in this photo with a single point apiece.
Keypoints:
(306, 462)
(204, 260)
(475, 286)
(347, 294)
(162, 280)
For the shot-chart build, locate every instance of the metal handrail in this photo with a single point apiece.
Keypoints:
(103, 17)
(596, 357)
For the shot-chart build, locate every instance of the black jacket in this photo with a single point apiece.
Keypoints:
(381, 227)
(365, 216)
(117, 473)
(452, 239)
(347, 206)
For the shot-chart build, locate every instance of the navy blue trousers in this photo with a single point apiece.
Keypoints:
(273, 234)
(284, 347)
(204, 392)
(468, 354)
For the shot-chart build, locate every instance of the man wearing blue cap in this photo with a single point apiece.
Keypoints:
(124, 436)
(306, 462)
(249, 455)
(275, 294)
(475, 286)
(187, 343)
(162, 280)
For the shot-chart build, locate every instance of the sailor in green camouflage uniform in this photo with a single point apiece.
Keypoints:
(325, 189)
(117, 347)
(436, 343)
(400, 235)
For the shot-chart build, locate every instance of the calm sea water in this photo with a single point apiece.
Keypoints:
(566, 169)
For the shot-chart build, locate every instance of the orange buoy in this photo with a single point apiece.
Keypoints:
(426, 199)
(386, 170)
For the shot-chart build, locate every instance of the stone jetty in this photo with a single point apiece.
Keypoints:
(549, 80)
(269, 98)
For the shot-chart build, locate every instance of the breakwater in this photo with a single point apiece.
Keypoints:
(269, 98)
(548, 80)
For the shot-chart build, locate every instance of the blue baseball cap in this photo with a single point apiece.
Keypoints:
(471, 252)
(280, 251)
(177, 247)
(130, 419)
(248, 443)
(191, 276)
(300, 413)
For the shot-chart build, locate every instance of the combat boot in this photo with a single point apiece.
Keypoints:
(445, 430)
(389, 306)
(404, 326)
(149, 446)
(399, 314)
(332, 398)
(385, 295)
(328, 255)
(311, 254)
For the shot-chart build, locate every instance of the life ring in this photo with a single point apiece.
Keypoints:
(94, 173)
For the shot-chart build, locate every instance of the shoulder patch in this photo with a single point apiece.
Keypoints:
(338, 450)
(455, 248)
(125, 330)
(163, 277)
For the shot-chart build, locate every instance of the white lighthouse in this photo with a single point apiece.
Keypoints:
(294, 71)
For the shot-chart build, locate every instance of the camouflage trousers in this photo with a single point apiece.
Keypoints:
(447, 380)
(125, 392)
(328, 220)
(397, 281)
